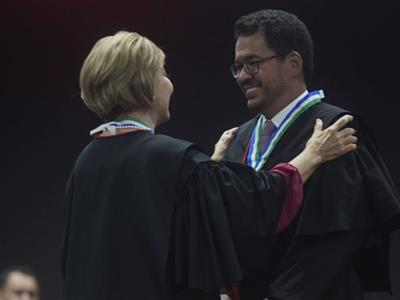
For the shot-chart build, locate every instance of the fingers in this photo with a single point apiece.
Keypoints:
(338, 151)
(318, 125)
(348, 144)
(229, 134)
(231, 131)
(343, 150)
(341, 123)
(337, 133)
(317, 128)
(223, 143)
(347, 138)
(345, 145)
(349, 148)
(346, 132)
(334, 141)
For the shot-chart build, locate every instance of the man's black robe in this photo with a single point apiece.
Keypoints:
(350, 206)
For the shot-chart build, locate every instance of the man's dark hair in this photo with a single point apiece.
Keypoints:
(22, 269)
(283, 32)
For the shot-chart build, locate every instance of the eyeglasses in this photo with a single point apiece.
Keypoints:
(250, 68)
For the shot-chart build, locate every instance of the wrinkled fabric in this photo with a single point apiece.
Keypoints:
(149, 217)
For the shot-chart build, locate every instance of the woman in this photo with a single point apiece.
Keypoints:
(152, 217)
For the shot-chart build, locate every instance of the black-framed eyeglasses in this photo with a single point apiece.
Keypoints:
(252, 67)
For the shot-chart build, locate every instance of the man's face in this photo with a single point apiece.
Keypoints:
(264, 87)
(20, 286)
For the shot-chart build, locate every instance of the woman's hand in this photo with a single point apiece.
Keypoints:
(223, 143)
(325, 145)
(332, 142)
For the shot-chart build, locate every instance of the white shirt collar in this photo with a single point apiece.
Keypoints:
(278, 118)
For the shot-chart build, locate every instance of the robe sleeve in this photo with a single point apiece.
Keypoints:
(218, 202)
(380, 189)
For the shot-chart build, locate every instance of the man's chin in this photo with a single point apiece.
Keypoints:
(253, 104)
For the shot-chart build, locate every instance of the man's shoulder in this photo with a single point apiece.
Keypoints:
(327, 112)
(321, 109)
(324, 108)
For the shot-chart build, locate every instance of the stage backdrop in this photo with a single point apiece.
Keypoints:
(44, 124)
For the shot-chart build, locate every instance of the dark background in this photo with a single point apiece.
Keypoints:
(45, 125)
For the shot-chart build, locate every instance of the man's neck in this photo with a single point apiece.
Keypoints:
(284, 100)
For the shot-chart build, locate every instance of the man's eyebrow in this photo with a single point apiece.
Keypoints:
(248, 57)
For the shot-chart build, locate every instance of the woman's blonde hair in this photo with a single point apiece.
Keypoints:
(119, 74)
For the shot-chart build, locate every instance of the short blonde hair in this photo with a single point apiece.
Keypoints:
(119, 74)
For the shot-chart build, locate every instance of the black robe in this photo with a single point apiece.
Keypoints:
(350, 206)
(149, 217)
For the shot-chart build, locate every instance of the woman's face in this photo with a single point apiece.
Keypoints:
(162, 93)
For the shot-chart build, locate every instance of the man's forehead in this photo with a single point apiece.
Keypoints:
(249, 46)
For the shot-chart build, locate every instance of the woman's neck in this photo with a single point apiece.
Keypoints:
(143, 116)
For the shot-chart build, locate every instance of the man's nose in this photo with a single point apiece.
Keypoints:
(243, 76)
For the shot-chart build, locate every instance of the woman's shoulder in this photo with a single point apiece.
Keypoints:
(167, 143)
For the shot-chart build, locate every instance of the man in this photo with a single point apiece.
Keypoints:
(18, 283)
(350, 205)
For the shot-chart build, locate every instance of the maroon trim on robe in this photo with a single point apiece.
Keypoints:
(293, 196)
(294, 191)
(233, 291)
(244, 160)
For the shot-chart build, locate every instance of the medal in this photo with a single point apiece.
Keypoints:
(257, 157)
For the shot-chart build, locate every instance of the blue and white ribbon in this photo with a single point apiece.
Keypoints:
(257, 157)
(114, 125)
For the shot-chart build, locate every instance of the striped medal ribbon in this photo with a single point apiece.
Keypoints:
(257, 157)
(122, 122)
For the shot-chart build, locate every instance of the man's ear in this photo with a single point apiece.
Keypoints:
(295, 63)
